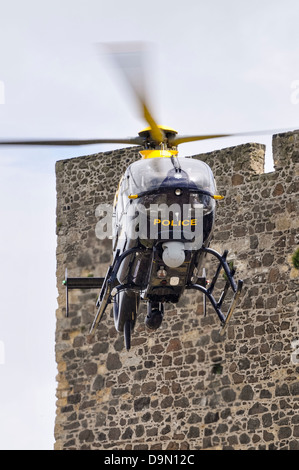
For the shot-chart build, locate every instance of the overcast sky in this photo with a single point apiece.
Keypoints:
(219, 66)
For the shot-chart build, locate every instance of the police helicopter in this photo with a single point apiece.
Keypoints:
(163, 218)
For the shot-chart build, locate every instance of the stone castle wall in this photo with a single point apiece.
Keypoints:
(184, 386)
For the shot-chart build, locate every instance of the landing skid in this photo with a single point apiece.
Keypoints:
(230, 283)
(110, 288)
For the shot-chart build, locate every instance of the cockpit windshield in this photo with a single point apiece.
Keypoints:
(155, 173)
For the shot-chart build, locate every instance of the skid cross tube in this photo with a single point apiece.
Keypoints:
(230, 282)
(109, 283)
(81, 283)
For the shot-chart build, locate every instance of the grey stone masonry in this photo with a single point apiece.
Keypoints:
(183, 386)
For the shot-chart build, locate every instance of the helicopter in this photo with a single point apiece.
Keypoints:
(163, 219)
(162, 225)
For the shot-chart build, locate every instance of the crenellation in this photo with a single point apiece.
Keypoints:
(240, 162)
(184, 386)
(286, 150)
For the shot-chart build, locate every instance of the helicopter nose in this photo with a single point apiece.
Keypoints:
(173, 254)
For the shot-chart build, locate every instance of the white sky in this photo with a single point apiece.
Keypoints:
(220, 66)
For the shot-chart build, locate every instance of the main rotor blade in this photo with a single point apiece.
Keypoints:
(73, 142)
(181, 139)
(131, 59)
(155, 132)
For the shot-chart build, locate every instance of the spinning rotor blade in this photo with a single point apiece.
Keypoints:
(130, 59)
(181, 139)
(155, 132)
(132, 141)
